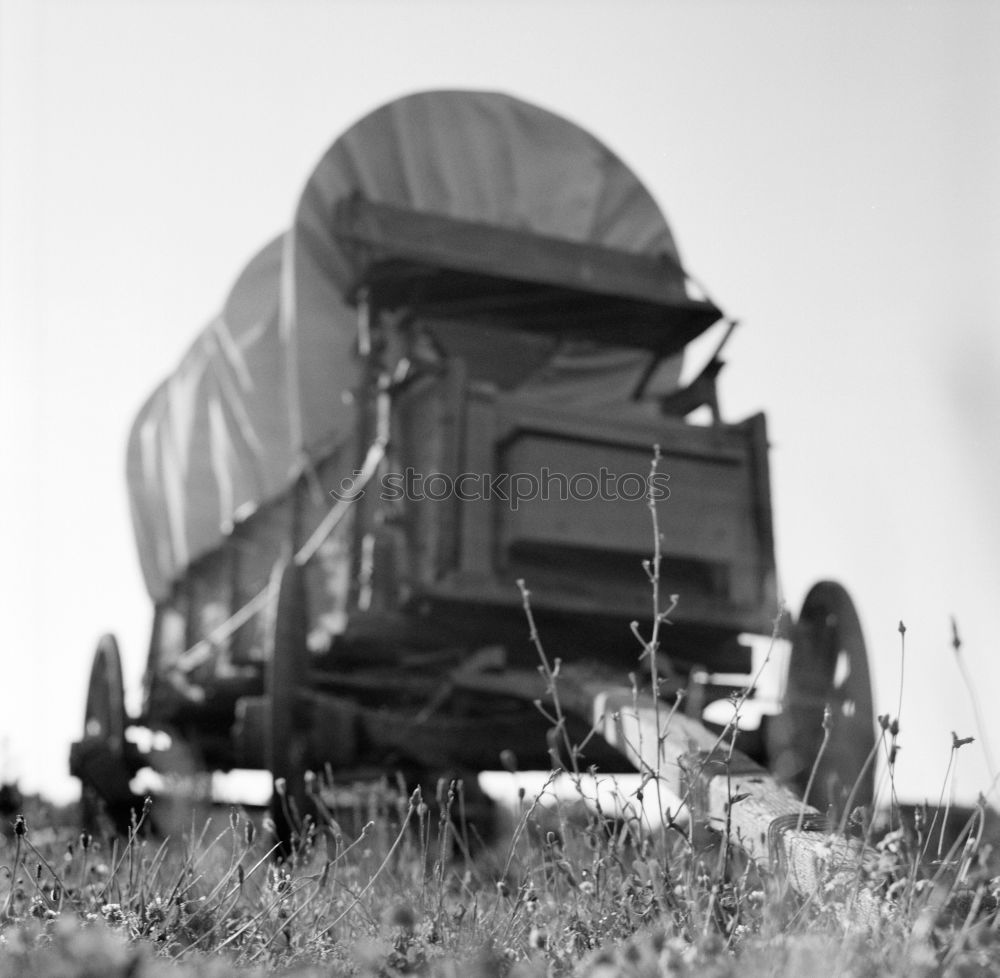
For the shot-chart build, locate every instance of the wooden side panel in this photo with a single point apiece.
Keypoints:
(568, 508)
(477, 516)
(428, 427)
(589, 521)
(416, 446)
(594, 496)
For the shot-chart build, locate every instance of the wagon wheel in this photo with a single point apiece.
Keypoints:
(101, 759)
(285, 678)
(829, 666)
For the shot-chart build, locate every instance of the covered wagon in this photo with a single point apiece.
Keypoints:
(458, 370)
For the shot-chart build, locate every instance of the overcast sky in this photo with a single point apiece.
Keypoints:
(829, 170)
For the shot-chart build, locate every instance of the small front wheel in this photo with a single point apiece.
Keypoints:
(285, 679)
(101, 759)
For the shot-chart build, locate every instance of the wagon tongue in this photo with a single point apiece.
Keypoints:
(447, 267)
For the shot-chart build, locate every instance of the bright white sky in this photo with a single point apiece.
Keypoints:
(829, 169)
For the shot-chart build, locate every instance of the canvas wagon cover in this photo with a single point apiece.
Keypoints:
(261, 392)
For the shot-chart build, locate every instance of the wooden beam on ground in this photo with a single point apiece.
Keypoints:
(728, 790)
(722, 787)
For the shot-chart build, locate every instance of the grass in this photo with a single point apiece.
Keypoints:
(400, 885)
(568, 892)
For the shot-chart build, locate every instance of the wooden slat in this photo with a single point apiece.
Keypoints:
(764, 818)
(705, 517)
(477, 535)
(718, 443)
(436, 240)
(589, 597)
(475, 272)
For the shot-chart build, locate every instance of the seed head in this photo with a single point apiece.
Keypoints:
(113, 913)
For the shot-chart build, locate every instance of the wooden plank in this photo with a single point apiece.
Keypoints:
(419, 440)
(674, 436)
(453, 434)
(705, 516)
(622, 599)
(765, 574)
(477, 532)
(729, 790)
(437, 241)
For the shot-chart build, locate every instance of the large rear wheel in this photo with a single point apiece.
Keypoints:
(828, 668)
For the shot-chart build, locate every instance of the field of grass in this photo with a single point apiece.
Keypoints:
(398, 886)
